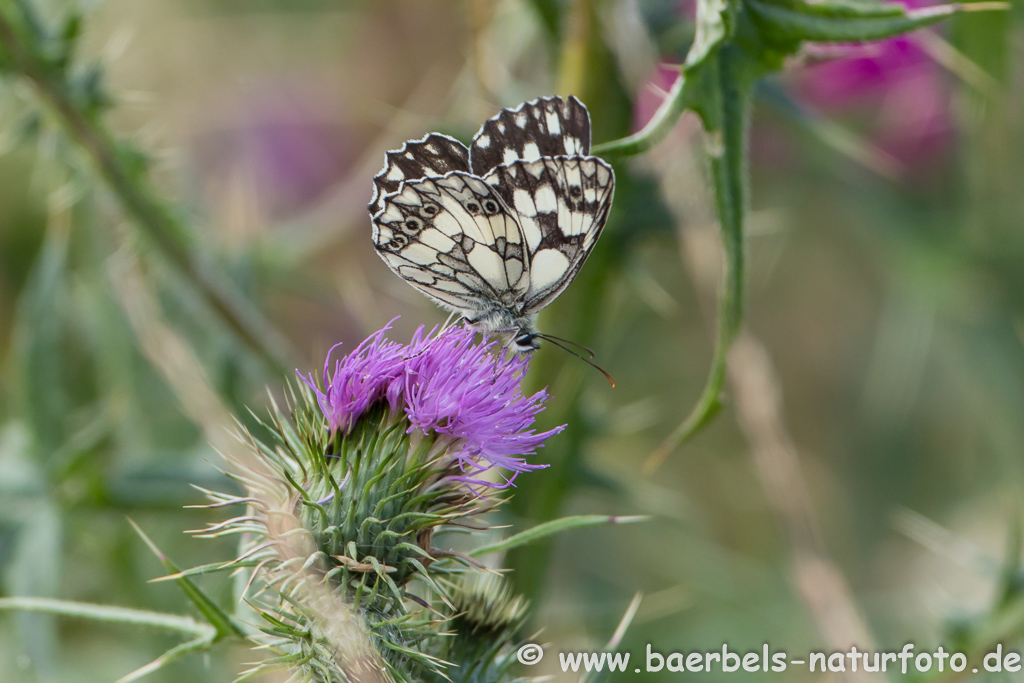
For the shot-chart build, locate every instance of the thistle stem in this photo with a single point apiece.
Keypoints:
(576, 48)
(726, 119)
(151, 215)
(657, 128)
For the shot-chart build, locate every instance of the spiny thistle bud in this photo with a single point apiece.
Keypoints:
(484, 629)
(348, 490)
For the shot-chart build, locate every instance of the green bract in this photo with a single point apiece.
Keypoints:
(339, 533)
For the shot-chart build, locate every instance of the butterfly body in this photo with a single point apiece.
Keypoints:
(523, 328)
(495, 231)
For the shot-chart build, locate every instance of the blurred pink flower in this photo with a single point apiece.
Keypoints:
(652, 94)
(285, 139)
(893, 85)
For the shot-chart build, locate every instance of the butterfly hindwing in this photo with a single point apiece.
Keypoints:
(561, 204)
(434, 155)
(545, 127)
(454, 239)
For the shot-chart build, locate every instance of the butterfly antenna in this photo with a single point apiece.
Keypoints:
(568, 350)
(553, 339)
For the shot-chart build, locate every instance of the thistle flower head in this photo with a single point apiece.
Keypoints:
(462, 389)
(350, 490)
(359, 379)
(445, 384)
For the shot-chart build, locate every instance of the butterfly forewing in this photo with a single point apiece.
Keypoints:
(545, 127)
(562, 204)
(454, 239)
(434, 155)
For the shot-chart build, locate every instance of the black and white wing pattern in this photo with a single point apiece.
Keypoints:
(562, 204)
(498, 230)
(452, 238)
(537, 157)
(545, 127)
(434, 155)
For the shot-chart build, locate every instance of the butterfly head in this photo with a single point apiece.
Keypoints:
(526, 341)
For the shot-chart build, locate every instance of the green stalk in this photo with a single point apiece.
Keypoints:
(224, 626)
(555, 526)
(726, 116)
(577, 47)
(583, 70)
(717, 83)
(151, 215)
(118, 615)
(543, 501)
(660, 125)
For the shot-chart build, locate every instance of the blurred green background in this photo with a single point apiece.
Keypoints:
(880, 502)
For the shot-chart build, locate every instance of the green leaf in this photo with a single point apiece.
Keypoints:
(728, 153)
(107, 613)
(166, 658)
(206, 634)
(38, 346)
(843, 22)
(724, 107)
(737, 43)
(714, 21)
(553, 527)
(660, 125)
(224, 624)
(35, 570)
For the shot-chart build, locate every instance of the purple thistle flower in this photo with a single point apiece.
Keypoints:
(446, 384)
(359, 379)
(468, 392)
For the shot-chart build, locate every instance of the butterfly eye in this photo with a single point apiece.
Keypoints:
(527, 343)
(491, 207)
(429, 210)
(413, 224)
(473, 208)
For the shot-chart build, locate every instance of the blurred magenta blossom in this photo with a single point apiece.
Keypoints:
(652, 94)
(893, 86)
(284, 139)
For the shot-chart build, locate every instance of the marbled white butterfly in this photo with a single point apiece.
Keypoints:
(496, 231)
